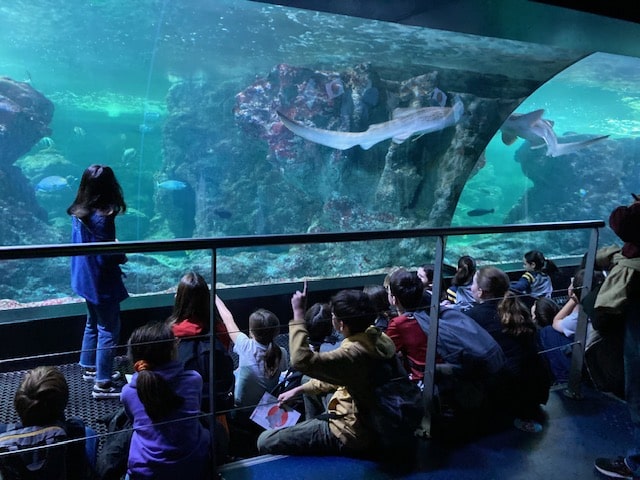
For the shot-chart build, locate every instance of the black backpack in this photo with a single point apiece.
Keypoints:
(397, 409)
(111, 463)
(194, 353)
(19, 462)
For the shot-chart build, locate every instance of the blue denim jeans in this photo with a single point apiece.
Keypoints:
(101, 335)
(632, 379)
(91, 445)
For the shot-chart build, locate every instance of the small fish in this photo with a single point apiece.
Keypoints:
(582, 192)
(79, 131)
(46, 143)
(222, 213)
(478, 212)
(172, 185)
(53, 183)
(128, 155)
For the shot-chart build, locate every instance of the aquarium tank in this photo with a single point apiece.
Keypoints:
(230, 118)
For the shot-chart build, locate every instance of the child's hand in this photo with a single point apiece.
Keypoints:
(284, 397)
(299, 302)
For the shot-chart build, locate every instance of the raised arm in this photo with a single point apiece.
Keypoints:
(227, 319)
(299, 303)
(564, 312)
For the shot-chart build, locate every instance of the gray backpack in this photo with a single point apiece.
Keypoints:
(462, 342)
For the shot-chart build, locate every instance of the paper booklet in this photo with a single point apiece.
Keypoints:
(271, 416)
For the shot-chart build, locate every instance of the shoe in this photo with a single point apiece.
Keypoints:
(528, 426)
(89, 375)
(613, 468)
(105, 390)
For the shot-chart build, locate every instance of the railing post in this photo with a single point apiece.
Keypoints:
(577, 353)
(212, 365)
(430, 361)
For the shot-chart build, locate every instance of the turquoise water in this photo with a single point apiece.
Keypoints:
(110, 67)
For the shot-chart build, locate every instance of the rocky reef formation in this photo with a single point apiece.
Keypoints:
(25, 115)
(236, 184)
(246, 173)
(584, 185)
(416, 183)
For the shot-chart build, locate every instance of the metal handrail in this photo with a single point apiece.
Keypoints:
(63, 250)
(440, 234)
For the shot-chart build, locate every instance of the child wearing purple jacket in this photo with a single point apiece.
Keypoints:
(163, 401)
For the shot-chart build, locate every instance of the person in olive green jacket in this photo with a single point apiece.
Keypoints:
(346, 371)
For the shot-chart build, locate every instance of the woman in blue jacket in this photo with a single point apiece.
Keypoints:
(98, 278)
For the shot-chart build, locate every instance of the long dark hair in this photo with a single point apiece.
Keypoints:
(192, 301)
(546, 309)
(466, 270)
(100, 191)
(541, 264)
(379, 299)
(151, 346)
(355, 309)
(264, 326)
(318, 321)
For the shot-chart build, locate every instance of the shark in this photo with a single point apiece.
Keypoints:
(405, 123)
(539, 132)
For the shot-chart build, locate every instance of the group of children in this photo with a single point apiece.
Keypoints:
(498, 369)
(168, 391)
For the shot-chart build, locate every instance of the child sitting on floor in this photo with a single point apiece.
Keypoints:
(163, 401)
(40, 402)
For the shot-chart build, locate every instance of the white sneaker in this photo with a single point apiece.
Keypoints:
(106, 390)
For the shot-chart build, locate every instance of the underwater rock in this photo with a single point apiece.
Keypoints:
(256, 177)
(585, 185)
(25, 115)
(24, 118)
(23, 220)
(421, 179)
(232, 188)
(48, 163)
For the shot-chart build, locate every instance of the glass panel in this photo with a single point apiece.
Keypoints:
(182, 100)
(584, 177)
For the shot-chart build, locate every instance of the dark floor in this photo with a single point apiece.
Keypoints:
(575, 433)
